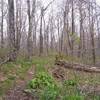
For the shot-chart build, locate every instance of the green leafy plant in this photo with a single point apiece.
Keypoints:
(70, 83)
(43, 84)
(41, 80)
(50, 93)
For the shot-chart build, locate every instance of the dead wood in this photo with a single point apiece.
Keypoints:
(78, 67)
(58, 73)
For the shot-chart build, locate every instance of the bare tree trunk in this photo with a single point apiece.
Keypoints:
(43, 10)
(82, 40)
(2, 21)
(46, 38)
(91, 24)
(12, 43)
(29, 39)
(18, 24)
(34, 26)
(58, 31)
(41, 35)
(64, 30)
(34, 39)
(52, 33)
(73, 28)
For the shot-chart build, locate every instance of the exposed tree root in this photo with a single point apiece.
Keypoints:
(10, 57)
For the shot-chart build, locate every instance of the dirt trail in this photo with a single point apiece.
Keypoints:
(17, 92)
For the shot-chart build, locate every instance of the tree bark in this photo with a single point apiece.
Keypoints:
(41, 35)
(11, 36)
(2, 21)
(29, 39)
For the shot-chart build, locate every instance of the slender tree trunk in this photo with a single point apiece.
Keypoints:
(58, 31)
(73, 28)
(2, 20)
(12, 43)
(29, 39)
(18, 24)
(41, 35)
(91, 24)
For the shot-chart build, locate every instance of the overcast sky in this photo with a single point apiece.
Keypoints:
(98, 1)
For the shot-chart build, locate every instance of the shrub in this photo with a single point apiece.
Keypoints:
(41, 80)
(44, 85)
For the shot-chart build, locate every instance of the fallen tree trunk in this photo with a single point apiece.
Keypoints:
(78, 67)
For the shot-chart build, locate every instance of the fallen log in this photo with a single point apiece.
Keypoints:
(78, 67)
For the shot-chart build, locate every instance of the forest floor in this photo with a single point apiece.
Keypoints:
(13, 75)
(14, 78)
(17, 92)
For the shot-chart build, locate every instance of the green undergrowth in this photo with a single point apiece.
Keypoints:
(11, 72)
(44, 85)
(42, 62)
(17, 70)
(4, 86)
(48, 89)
